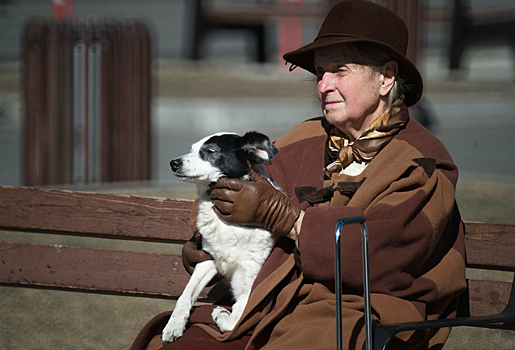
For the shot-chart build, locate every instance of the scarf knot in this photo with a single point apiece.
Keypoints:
(379, 133)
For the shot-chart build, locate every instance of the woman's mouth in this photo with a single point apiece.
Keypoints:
(331, 104)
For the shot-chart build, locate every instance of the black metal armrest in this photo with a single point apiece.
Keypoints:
(505, 320)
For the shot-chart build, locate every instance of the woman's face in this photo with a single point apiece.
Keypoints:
(350, 93)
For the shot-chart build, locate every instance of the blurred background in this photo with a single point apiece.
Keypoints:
(207, 66)
(100, 94)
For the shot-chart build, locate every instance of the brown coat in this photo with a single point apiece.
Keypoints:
(416, 246)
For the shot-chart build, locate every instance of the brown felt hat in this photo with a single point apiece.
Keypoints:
(351, 21)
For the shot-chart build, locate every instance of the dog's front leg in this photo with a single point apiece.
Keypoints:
(226, 320)
(202, 275)
(241, 286)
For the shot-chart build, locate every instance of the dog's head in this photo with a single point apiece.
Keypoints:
(223, 155)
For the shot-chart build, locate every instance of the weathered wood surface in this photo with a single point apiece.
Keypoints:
(490, 246)
(92, 269)
(148, 274)
(488, 297)
(95, 214)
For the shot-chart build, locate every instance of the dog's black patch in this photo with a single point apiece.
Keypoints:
(232, 153)
(225, 153)
(259, 148)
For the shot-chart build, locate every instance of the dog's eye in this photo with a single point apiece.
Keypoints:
(208, 151)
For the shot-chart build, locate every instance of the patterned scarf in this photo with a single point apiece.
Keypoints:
(374, 138)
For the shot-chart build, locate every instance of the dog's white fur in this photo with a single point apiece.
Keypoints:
(238, 252)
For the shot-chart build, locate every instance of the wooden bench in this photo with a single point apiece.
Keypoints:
(111, 216)
(122, 217)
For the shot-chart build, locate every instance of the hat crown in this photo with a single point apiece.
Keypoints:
(367, 21)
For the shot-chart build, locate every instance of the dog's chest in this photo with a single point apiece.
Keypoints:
(231, 245)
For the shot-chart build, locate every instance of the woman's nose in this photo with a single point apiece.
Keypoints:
(326, 83)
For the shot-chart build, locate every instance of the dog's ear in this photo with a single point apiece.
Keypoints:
(258, 147)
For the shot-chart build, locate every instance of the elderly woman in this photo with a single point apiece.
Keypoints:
(365, 156)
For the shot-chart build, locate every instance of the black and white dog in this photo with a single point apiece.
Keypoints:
(238, 252)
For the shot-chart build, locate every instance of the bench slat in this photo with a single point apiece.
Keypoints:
(148, 274)
(488, 297)
(95, 214)
(93, 269)
(490, 246)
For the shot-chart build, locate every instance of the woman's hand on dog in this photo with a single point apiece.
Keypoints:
(254, 203)
(192, 253)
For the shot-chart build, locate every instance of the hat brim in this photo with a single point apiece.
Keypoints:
(304, 58)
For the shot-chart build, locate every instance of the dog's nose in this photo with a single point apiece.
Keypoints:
(176, 164)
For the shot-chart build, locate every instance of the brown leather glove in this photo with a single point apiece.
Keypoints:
(192, 253)
(254, 203)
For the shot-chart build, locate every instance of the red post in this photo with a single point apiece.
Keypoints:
(290, 29)
(62, 9)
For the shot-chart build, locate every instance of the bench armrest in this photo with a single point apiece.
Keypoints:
(384, 334)
(504, 320)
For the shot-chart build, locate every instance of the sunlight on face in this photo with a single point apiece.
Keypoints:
(349, 93)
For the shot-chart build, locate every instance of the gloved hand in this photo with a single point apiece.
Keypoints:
(192, 253)
(254, 203)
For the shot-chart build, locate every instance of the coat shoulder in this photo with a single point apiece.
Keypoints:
(310, 128)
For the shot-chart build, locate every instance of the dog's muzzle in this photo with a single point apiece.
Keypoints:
(176, 164)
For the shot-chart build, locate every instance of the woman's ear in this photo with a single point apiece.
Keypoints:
(388, 77)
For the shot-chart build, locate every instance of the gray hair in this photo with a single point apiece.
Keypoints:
(371, 55)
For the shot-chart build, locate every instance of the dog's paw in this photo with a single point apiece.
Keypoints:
(223, 320)
(219, 313)
(172, 331)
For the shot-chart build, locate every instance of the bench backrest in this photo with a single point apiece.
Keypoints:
(95, 215)
(489, 246)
